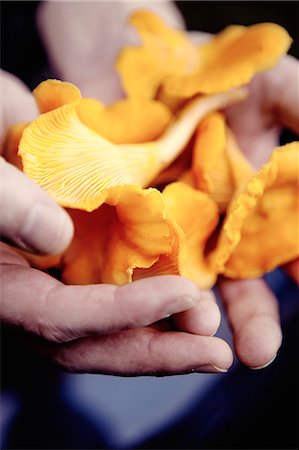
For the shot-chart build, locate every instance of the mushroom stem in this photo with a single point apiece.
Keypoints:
(177, 135)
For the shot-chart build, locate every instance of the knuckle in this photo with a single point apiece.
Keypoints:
(45, 324)
(151, 349)
(48, 331)
(61, 361)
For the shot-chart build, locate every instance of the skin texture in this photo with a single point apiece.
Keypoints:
(257, 124)
(84, 38)
(272, 105)
(98, 328)
(132, 340)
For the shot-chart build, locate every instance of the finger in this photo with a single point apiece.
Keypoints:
(199, 37)
(253, 313)
(257, 121)
(284, 79)
(252, 121)
(203, 319)
(29, 217)
(42, 305)
(292, 269)
(144, 351)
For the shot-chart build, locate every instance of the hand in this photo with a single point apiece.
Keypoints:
(251, 306)
(107, 329)
(83, 40)
(96, 328)
(17, 103)
(272, 104)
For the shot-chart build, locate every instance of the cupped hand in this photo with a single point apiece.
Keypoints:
(98, 328)
(95, 328)
(252, 309)
(272, 104)
(110, 329)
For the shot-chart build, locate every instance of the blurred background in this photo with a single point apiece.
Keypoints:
(23, 54)
(42, 407)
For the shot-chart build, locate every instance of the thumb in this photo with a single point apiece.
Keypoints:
(17, 103)
(29, 217)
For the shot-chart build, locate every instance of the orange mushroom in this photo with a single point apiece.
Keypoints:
(261, 229)
(169, 61)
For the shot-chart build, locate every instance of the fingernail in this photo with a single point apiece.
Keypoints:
(181, 304)
(264, 365)
(47, 229)
(210, 368)
(219, 369)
